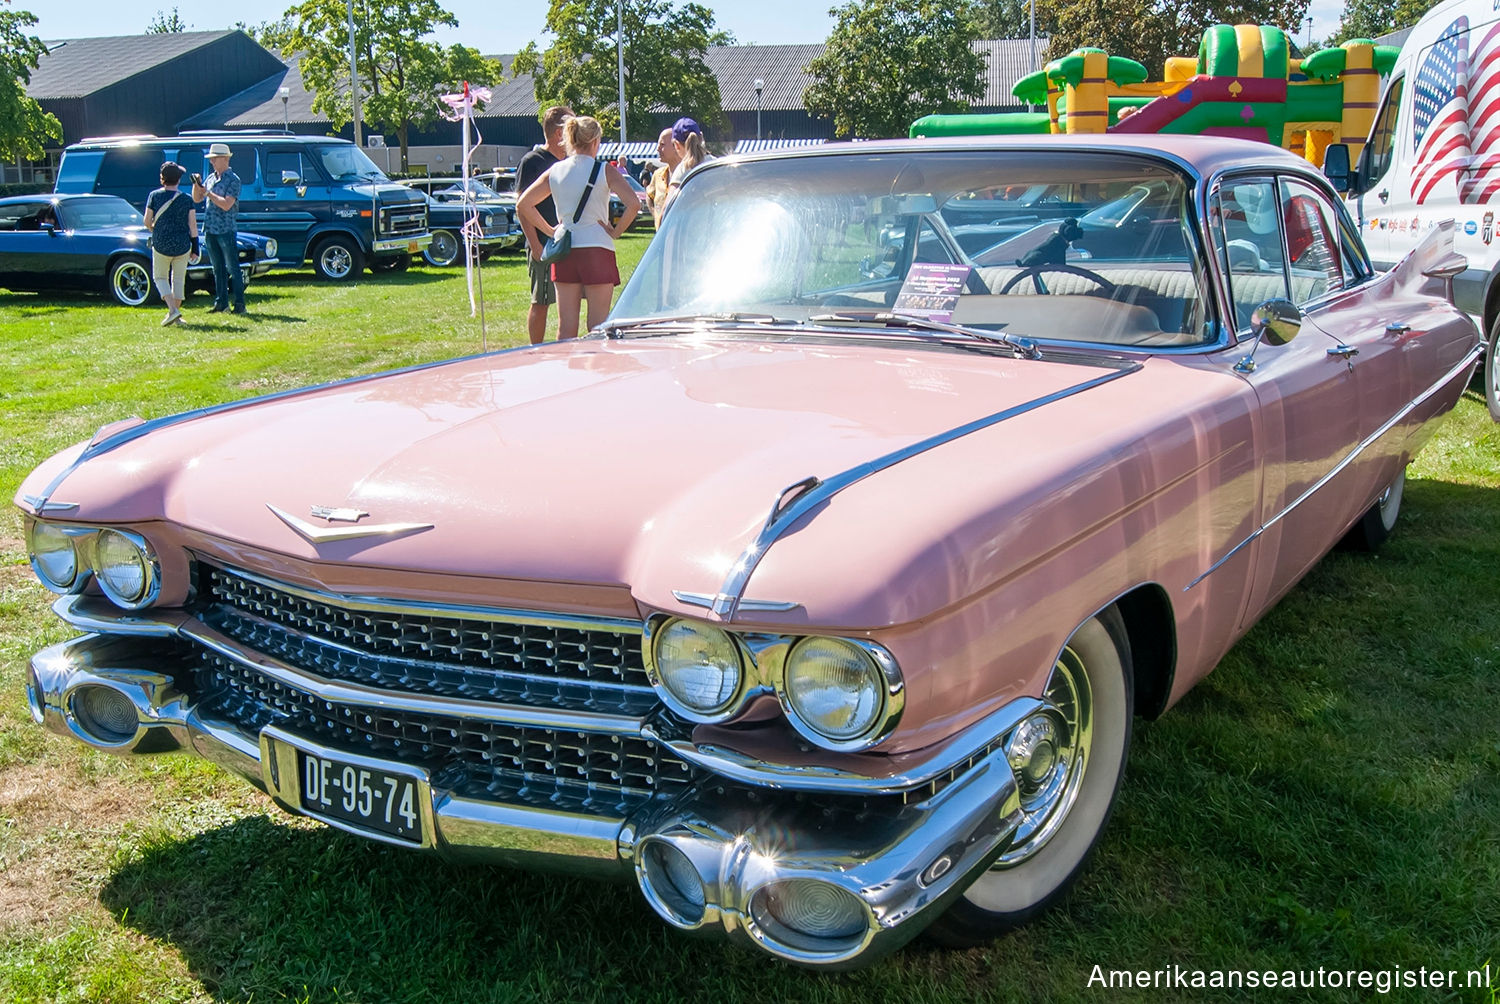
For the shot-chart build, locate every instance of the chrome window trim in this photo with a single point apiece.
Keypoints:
(1467, 361)
(727, 602)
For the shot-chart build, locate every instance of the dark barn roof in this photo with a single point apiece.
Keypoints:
(144, 83)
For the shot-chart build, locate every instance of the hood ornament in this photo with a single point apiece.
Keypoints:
(347, 514)
(325, 534)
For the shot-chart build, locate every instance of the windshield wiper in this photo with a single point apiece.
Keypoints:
(611, 329)
(1023, 347)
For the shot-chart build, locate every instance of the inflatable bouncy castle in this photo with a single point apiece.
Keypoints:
(1242, 83)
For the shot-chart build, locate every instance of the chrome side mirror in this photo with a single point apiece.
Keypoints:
(1276, 321)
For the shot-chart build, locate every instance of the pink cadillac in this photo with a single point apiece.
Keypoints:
(818, 589)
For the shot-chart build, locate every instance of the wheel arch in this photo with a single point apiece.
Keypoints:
(1151, 628)
(317, 237)
(1491, 301)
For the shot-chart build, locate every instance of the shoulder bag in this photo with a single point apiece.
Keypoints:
(561, 241)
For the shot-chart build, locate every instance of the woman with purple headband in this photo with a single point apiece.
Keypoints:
(687, 138)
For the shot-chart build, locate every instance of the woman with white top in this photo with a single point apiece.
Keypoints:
(589, 270)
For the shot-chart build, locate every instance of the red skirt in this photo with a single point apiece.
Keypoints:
(588, 267)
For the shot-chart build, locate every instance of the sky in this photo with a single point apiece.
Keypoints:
(494, 27)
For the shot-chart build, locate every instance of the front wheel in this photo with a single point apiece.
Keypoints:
(1379, 520)
(130, 282)
(1492, 372)
(444, 249)
(339, 259)
(1068, 761)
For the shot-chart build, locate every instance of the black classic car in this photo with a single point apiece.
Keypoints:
(94, 242)
(446, 212)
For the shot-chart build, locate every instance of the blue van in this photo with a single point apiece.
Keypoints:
(322, 199)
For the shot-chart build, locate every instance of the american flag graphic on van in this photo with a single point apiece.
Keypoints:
(1440, 107)
(1482, 179)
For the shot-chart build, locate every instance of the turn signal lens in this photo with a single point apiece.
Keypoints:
(54, 557)
(126, 569)
(809, 908)
(698, 666)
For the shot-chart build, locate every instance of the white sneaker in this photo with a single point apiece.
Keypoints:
(173, 316)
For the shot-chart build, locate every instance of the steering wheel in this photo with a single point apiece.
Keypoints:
(1034, 273)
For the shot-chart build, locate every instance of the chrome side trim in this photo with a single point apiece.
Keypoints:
(731, 594)
(1359, 448)
(96, 614)
(423, 608)
(135, 432)
(40, 506)
(928, 765)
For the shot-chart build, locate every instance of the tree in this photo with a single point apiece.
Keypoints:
(1373, 18)
(1003, 18)
(665, 62)
(24, 127)
(401, 74)
(1148, 31)
(888, 62)
(167, 24)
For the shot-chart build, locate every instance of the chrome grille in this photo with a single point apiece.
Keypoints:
(403, 219)
(598, 771)
(547, 665)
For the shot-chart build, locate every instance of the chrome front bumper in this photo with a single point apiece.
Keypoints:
(409, 244)
(706, 859)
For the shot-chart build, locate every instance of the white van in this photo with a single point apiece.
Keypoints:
(1434, 154)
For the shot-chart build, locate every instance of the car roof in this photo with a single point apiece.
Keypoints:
(55, 198)
(229, 138)
(1204, 155)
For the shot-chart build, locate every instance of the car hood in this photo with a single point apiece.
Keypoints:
(649, 463)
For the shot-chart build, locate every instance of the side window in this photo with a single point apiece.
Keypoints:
(20, 216)
(1311, 242)
(1382, 147)
(1250, 244)
(130, 171)
(78, 170)
(280, 163)
(242, 163)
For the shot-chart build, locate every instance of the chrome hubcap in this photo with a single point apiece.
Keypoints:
(1048, 753)
(336, 261)
(444, 248)
(132, 283)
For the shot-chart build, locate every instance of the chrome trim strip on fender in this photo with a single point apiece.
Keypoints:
(731, 594)
(707, 600)
(1359, 448)
(135, 432)
(929, 765)
(325, 534)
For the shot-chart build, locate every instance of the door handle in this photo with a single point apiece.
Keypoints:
(1343, 351)
(1384, 193)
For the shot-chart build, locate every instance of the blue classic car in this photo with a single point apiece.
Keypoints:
(93, 242)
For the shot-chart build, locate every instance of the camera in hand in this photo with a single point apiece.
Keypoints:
(197, 178)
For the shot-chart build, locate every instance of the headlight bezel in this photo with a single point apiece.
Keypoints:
(656, 627)
(151, 569)
(890, 689)
(82, 567)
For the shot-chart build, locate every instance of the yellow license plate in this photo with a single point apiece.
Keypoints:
(411, 246)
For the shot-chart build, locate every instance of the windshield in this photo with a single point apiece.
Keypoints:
(347, 162)
(1059, 245)
(97, 213)
(478, 191)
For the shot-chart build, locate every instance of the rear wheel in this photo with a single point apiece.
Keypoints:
(1492, 372)
(338, 259)
(1379, 520)
(444, 249)
(1068, 761)
(129, 281)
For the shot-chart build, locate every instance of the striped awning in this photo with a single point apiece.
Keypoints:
(757, 145)
(632, 151)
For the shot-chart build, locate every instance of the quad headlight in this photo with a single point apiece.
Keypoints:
(54, 558)
(698, 668)
(127, 569)
(836, 693)
(271, 247)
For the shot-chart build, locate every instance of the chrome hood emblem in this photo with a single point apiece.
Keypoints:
(344, 515)
(325, 534)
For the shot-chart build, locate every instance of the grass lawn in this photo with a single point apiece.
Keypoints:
(1329, 797)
